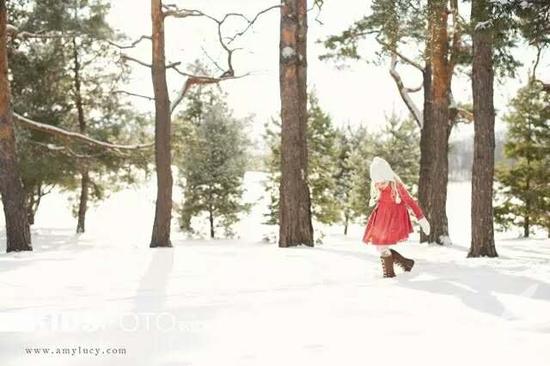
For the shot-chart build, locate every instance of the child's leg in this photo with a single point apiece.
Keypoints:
(383, 250)
(386, 259)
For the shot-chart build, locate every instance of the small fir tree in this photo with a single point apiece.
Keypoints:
(523, 188)
(211, 158)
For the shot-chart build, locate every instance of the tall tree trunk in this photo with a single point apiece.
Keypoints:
(83, 203)
(33, 198)
(434, 141)
(295, 226)
(163, 160)
(483, 167)
(346, 224)
(84, 174)
(211, 221)
(30, 204)
(13, 197)
(526, 220)
(526, 225)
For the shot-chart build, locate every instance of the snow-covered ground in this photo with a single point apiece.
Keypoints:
(247, 302)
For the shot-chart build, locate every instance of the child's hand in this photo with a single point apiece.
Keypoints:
(424, 225)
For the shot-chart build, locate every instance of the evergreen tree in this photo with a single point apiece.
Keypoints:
(398, 144)
(363, 151)
(212, 158)
(71, 82)
(322, 163)
(272, 138)
(523, 186)
(344, 176)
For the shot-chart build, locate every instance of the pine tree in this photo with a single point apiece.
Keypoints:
(212, 159)
(322, 163)
(272, 138)
(39, 82)
(398, 144)
(363, 151)
(483, 166)
(344, 176)
(295, 226)
(18, 236)
(523, 185)
(71, 82)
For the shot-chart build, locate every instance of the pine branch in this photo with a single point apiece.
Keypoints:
(64, 134)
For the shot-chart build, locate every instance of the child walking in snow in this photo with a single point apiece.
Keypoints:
(389, 222)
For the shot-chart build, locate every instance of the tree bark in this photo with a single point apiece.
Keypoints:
(33, 198)
(434, 140)
(211, 221)
(295, 225)
(83, 203)
(483, 167)
(11, 187)
(84, 174)
(163, 160)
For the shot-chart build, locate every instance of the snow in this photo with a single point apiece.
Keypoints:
(248, 302)
(288, 52)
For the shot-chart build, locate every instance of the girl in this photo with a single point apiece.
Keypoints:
(389, 222)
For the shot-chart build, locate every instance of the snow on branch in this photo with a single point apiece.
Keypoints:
(59, 132)
(14, 32)
(404, 92)
(64, 150)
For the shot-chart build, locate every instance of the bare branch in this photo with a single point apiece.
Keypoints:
(212, 60)
(197, 80)
(134, 94)
(394, 51)
(229, 73)
(251, 22)
(536, 62)
(131, 45)
(59, 132)
(404, 92)
(173, 65)
(125, 57)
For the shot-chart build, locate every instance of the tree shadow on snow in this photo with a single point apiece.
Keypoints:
(151, 294)
(477, 287)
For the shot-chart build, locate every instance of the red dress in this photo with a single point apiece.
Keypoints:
(390, 223)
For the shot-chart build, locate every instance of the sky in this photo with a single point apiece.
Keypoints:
(361, 93)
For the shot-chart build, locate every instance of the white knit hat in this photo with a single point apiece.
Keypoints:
(381, 171)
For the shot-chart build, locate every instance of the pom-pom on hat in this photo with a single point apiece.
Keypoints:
(381, 171)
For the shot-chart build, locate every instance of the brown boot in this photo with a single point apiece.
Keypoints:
(387, 266)
(405, 263)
